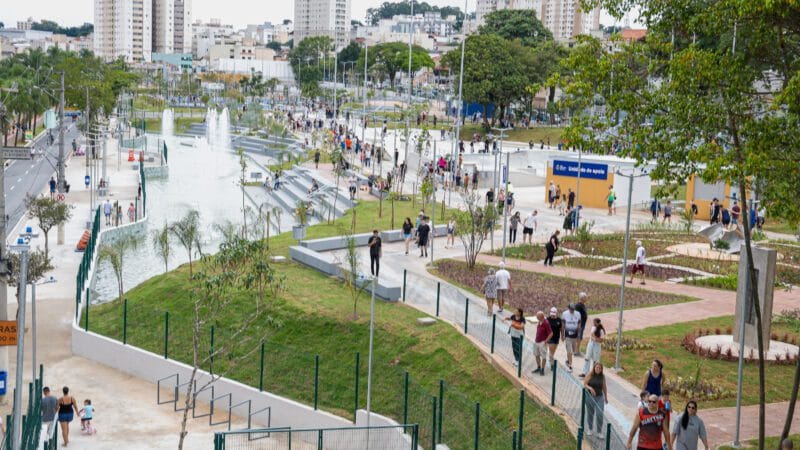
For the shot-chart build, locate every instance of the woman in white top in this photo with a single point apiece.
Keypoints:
(593, 350)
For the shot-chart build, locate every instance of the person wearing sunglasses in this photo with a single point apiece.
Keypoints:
(688, 429)
(651, 423)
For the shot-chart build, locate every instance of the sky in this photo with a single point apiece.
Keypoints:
(236, 12)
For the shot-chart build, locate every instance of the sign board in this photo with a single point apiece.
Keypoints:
(50, 119)
(256, 175)
(87, 180)
(8, 332)
(16, 152)
(588, 170)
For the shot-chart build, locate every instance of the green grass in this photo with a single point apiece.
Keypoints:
(780, 226)
(181, 124)
(770, 442)
(680, 362)
(316, 316)
(535, 134)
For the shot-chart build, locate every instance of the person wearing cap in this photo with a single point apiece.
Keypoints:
(555, 325)
(571, 320)
(641, 261)
(489, 289)
(580, 306)
(543, 334)
(503, 278)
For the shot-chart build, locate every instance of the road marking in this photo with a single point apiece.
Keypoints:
(26, 172)
(12, 188)
(19, 179)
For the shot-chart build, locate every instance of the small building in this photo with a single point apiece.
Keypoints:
(702, 194)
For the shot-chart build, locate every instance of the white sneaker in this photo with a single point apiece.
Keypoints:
(516, 363)
(589, 432)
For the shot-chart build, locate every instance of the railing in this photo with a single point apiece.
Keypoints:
(400, 437)
(32, 421)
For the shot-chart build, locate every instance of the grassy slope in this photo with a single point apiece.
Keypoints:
(679, 362)
(316, 314)
(535, 134)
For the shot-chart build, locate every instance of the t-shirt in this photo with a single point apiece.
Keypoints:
(650, 426)
(375, 250)
(49, 408)
(423, 231)
(503, 277)
(572, 323)
(407, 227)
(555, 325)
(687, 439)
(640, 255)
(107, 208)
(542, 331)
(735, 210)
(87, 411)
(581, 308)
(530, 221)
(515, 332)
(602, 333)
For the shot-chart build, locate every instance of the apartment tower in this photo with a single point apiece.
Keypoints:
(564, 18)
(322, 18)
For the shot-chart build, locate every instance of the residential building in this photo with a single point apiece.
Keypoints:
(206, 35)
(123, 28)
(564, 18)
(163, 23)
(182, 40)
(322, 18)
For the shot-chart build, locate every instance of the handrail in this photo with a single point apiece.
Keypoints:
(211, 422)
(158, 388)
(177, 393)
(194, 402)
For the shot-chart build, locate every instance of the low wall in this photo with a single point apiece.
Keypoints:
(335, 243)
(156, 171)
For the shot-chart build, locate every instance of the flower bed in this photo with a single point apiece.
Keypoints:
(658, 272)
(694, 388)
(611, 245)
(533, 291)
(628, 343)
(690, 344)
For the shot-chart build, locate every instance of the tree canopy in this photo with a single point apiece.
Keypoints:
(519, 24)
(386, 59)
(305, 60)
(48, 25)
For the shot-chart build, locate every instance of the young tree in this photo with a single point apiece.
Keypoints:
(49, 212)
(351, 270)
(38, 265)
(187, 231)
(115, 255)
(242, 181)
(162, 245)
(471, 226)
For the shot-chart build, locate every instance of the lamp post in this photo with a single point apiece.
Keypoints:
(369, 363)
(22, 247)
(33, 323)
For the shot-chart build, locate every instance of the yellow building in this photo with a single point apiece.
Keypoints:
(597, 176)
(702, 194)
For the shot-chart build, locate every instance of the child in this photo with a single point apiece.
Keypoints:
(643, 400)
(86, 414)
(665, 404)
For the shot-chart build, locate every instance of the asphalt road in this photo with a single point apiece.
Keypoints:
(31, 176)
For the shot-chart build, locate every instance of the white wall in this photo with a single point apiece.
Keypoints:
(641, 190)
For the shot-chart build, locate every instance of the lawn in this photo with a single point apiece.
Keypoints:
(181, 124)
(316, 316)
(678, 362)
(535, 134)
(769, 442)
(533, 291)
(779, 226)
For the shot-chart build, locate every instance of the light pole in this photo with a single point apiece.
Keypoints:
(496, 184)
(22, 247)
(369, 363)
(457, 136)
(33, 323)
(630, 178)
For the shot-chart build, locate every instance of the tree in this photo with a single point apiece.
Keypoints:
(388, 10)
(519, 24)
(115, 255)
(305, 61)
(50, 213)
(162, 245)
(38, 265)
(696, 104)
(471, 226)
(275, 45)
(351, 272)
(349, 54)
(242, 181)
(187, 231)
(392, 57)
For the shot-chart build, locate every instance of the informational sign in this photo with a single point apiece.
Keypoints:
(588, 170)
(8, 332)
(87, 180)
(50, 119)
(505, 174)
(16, 152)
(256, 175)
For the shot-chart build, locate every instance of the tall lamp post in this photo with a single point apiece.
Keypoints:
(369, 363)
(33, 323)
(22, 247)
(496, 184)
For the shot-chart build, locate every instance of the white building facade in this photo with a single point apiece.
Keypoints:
(322, 18)
(133, 29)
(564, 18)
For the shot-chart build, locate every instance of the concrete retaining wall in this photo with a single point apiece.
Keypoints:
(152, 172)
(335, 243)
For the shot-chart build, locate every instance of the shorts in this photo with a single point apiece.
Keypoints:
(637, 268)
(65, 417)
(406, 236)
(572, 344)
(85, 419)
(501, 293)
(610, 203)
(554, 340)
(539, 350)
(526, 230)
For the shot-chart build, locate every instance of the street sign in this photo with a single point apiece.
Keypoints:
(588, 170)
(16, 152)
(87, 180)
(8, 332)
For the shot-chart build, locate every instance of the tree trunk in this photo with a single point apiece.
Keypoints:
(46, 242)
(792, 399)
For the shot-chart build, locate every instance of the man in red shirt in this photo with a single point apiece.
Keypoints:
(652, 424)
(543, 334)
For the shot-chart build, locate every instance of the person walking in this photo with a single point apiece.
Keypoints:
(551, 198)
(503, 277)
(641, 262)
(667, 213)
(654, 378)
(651, 424)
(408, 228)
(736, 210)
(489, 288)
(611, 197)
(572, 324)
(594, 349)
(512, 227)
(107, 211)
(555, 325)
(570, 198)
(580, 306)
(52, 188)
(131, 213)
(551, 247)
(87, 414)
(451, 233)
(422, 237)
(595, 384)
(375, 253)
(689, 428)
(543, 334)
(316, 159)
(49, 408)
(517, 331)
(67, 409)
(529, 226)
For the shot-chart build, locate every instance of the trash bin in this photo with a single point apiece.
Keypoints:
(3, 378)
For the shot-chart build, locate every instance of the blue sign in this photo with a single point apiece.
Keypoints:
(87, 180)
(588, 170)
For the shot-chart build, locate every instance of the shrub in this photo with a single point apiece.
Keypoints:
(719, 244)
(628, 343)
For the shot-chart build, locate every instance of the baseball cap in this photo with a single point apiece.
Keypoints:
(553, 311)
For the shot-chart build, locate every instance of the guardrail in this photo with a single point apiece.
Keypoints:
(400, 437)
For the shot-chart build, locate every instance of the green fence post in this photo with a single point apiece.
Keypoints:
(166, 334)
(583, 407)
(553, 393)
(125, 322)
(519, 365)
(521, 417)
(438, 292)
(466, 314)
(580, 438)
(405, 400)
(433, 424)
(477, 424)
(316, 381)
(211, 352)
(441, 409)
(319, 440)
(86, 324)
(608, 436)
(261, 371)
(405, 272)
(358, 363)
(514, 440)
(494, 325)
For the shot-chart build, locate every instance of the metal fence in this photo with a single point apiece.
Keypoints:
(32, 422)
(401, 437)
(468, 313)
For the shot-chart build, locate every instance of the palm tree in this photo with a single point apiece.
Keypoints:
(187, 231)
(162, 245)
(115, 254)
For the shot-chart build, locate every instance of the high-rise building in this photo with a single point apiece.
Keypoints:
(182, 40)
(564, 18)
(163, 23)
(322, 18)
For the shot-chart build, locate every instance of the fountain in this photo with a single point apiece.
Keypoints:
(211, 126)
(167, 125)
(223, 130)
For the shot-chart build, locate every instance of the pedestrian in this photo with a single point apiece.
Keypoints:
(67, 408)
(570, 198)
(556, 326)
(568, 225)
(119, 214)
(422, 237)
(139, 191)
(52, 188)
(580, 306)
(689, 428)
(49, 408)
(512, 227)
(667, 213)
(529, 226)
(651, 425)
(316, 159)
(375, 253)
(131, 213)
(594, 349)
(715, 211)
(551, 190)
(517, 331)
(503, 277)
(655, 206)
(641, 262)
(489, 197)
(475, 179)
(489, 289)
(611, 197)
(451, 233)
(654, 378)
(736, 210)
(551, 247)
(87, 414)
(595, 383)
(408, 227)
(726, 217)
(543, 334)
(666, 404)
(572, 324)
(107, 211)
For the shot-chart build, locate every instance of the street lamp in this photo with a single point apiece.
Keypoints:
(22, 246)
(33, 321)
(369, 363)
(507, 175)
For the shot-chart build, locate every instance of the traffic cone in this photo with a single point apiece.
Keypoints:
(130, 155)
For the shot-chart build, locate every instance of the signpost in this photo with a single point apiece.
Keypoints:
(16, 152)
(587, 170)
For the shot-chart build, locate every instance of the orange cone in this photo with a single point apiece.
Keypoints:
(130, 155)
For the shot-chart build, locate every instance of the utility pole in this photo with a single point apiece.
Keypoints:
(3, 261)
(61, 177)
(22, 247)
